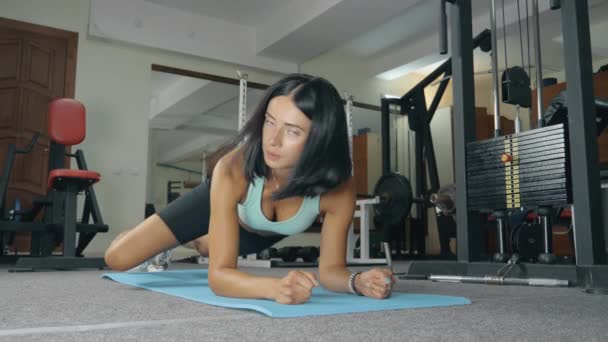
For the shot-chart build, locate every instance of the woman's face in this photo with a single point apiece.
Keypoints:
(285, 132)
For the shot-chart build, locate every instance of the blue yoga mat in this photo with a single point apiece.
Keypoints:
(192, 285)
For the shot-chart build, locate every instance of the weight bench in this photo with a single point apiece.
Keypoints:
(363, 213)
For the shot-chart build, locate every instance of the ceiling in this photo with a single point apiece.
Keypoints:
(390, 38)
(241, 12)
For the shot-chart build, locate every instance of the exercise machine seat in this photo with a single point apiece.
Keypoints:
(59, 179)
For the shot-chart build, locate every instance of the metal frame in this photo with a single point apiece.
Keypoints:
(90, 211)
(63, 213)
(60, 212)
(588, 232)
(6, 171)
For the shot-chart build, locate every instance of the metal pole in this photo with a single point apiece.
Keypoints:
(348, 109)
(495, 70)
(204, 167)
(501, 235)
(242, 99)
(547, 241)
(538, 63)
(494, 280)
(517, 120)
(385, 126)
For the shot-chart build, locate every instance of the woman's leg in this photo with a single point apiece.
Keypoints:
(137, 245)
(248, 243)
(201, 245)
(185, 219)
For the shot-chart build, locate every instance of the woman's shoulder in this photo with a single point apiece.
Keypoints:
(231, 163)
(230, 169)
(344, 194)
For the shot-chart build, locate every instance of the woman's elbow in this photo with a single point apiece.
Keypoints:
(324, 277)
(214, 279)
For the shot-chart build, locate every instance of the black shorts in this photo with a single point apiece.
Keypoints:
(188, 218)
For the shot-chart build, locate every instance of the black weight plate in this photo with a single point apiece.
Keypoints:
(395, 193)
(498, 164)
(526, 240)
(525, 168)
(522, 144)
(545, 132)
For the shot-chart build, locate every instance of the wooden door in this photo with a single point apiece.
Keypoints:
(37, 64)
(484, 124)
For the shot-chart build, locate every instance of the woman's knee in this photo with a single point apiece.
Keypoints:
(201, 245)
(116, 259)
(137, 245)
(117, 256)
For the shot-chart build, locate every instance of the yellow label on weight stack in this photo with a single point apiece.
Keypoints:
(511, 147)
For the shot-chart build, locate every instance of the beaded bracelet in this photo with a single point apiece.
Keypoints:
(351, 284)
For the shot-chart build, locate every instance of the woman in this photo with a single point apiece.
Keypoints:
(288, 165)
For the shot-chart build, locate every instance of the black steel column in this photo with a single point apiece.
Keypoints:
(69, 221)
(467, 236)
(588, 232)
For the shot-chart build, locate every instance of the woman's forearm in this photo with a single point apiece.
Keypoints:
(230, 282)
(335, 278)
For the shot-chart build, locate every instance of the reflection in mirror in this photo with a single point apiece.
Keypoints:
(367, 148)
(189, 117)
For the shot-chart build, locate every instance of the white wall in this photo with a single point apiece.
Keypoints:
(113, 81)
(351, 75)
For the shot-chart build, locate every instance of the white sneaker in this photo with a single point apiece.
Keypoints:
(143, 267)
(158, 263)
(156, 268)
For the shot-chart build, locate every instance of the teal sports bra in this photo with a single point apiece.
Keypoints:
(250, 212)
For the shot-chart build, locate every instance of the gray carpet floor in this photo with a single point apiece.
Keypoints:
(80, 306)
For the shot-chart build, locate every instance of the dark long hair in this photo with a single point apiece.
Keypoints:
(325, 161)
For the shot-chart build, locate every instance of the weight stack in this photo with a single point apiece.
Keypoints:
(529, 169)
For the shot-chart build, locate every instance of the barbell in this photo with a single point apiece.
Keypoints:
(395, 199)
